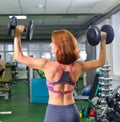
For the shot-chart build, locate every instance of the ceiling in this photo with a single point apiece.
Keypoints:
(49, 15)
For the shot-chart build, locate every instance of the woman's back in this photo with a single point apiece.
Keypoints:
(61, 81)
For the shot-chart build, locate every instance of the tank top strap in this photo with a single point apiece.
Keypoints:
(60, 66)
(71, 67)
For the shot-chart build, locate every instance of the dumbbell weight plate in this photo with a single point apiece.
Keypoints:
(11, 26)
(93, 35)
(9, 30)
(110, 33)
(29, 30)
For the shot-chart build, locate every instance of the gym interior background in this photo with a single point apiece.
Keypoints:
(48, 15)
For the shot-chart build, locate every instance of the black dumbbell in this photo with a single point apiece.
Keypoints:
(94, 34)
(109, 101)
(29, 29)
(117, 96)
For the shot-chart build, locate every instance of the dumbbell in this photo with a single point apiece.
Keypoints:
(108, 100)
(117, 96)
(94, 34)
(28, 29)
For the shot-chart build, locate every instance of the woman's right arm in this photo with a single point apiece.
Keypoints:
(20, 57)
(93, 64)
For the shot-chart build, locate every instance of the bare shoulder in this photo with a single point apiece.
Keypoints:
(50, 64)
(78, 64)
(82, 66)
(51, 69)
(77, 67)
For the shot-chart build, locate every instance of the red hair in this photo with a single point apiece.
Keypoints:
(67, 46)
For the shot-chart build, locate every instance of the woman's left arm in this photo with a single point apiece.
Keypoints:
(93, 64)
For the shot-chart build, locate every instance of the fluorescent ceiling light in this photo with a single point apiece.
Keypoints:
(19, 17)
(40, 6)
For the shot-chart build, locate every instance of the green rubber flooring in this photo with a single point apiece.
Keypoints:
(23, 110)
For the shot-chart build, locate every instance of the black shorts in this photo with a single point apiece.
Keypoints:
(68, 113)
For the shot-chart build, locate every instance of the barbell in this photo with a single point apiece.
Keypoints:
(94, 34)
(28, 29)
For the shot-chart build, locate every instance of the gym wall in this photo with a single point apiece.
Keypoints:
(116, 47)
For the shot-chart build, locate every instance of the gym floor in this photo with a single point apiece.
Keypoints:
(23, 110)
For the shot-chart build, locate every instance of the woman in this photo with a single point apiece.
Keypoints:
(61, 74)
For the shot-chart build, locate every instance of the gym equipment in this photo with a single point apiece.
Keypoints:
(14, 66)
(38, 91)
(113, 101)
(112, 116)
(110, 33)
(117, 96)
(5, 82)
(29, 29)
(105, 101)
(94, 34)
(41, 73)
(111, 111)
(86, 90)
(85, 112)
(89, 91)
(92, 113)
(95, 87)
(81, 115)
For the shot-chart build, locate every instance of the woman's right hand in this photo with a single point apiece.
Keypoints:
(19, 29)
(103, 35)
